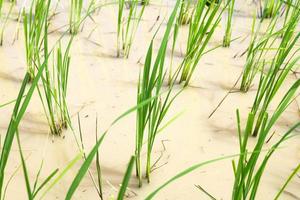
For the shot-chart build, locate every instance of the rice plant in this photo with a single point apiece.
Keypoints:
(127, 26)
(258, 51)
(284, 61)
(22, 102)
(227, 36)
(250, 168)
(186, 11)
(54, 91)
(271, 8)
(292, 175)
(202, 26)
(4, 23)
(247, 178)
(32, 192)
(150, 117)
(94, 152)
(75, 16)
(34, 23)
(260, 48)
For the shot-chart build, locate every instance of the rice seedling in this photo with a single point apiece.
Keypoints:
(260, 48)
(151, 85)
(271, 8)
(295, 171)
(89, 158)
(3, 25)
(127, 27)
(250, 169)
(227, 36)
(258, 51)
(285, 59)
(75, 16)
(246, 178)
(202, 26)
(18, 113)
(34, 23)
(54, 91)
(186, 12)
(98, 184)
(32, 192)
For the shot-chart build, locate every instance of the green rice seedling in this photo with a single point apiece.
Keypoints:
(98, 167)
(34, 23)
(89, 158)
(54, 91)
(75, 16)
(3, 25)
(258, 51)
(295, 171)
(126, 179)
(259, 48)
(127, 27)
(227, 36)
(250, 169)
(241, 171)
(19, 110)
(98, 184)
(290, 6)
(32, 192)
(203, 24)
(285, 59)
(187, 171)
(271, 8)
(150, 85)
(186, 12)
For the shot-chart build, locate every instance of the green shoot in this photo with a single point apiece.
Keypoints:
(126, 179)
(55, 85)
(202, 26)
(295, 171)
(271, 8)
(3, 25)
(75, 16)
(283, 62)
(34, 23)
(186, 12)
(259, 49)
(127, 27)
(227, 36)
(150, 85)
(250, 169)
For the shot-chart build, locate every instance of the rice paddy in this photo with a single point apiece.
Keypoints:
(149, 99)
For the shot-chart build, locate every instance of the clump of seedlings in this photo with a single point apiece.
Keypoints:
(284, 61)
(251, 164)
(258, 51)
(34, 22)
(261, 48)
(204, 22)
(227, 36)
(54, 91)
(150, 117)
(75, 16)
(127, 26)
